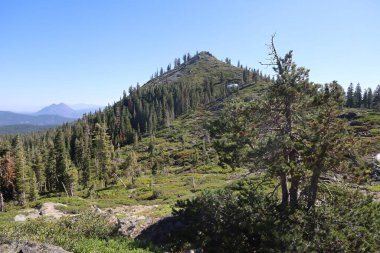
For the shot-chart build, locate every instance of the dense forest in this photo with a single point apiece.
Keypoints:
(283, 146)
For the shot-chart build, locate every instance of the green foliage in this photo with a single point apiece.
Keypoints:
(88, 232)
(33, 187)
(375, 188)
(21, 170)
(61, 162)
(103, 151)
(244, 218)
(212, 168)
(292, 130)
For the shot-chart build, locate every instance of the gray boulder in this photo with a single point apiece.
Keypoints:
(19, 217)
(16, 246)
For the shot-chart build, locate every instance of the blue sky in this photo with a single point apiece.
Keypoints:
(89, 51)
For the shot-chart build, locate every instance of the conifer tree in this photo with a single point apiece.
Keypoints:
(39, 170)
(50, 169)
(358, 96)
(376, 98)
(292, 130)
(72, 179)
(103, 150)
(365, 99)
(131, 167)
(21, 170)
(350, 96)
(33, 186)
(7, 176)
(369, 98)
(61, 162)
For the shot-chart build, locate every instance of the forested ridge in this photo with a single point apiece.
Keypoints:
(82, 154)
(225, 159)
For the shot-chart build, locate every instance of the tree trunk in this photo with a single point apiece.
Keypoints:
(2, 208)
(312, 196)
(22, 199)
(284, 190)
(71, 189)
(293, 191)
(313, 188)
(64, 187)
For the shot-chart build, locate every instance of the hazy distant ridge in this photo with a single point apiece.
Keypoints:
(66, 111)
(11, 118)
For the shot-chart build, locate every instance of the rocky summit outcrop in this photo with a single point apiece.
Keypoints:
(17, 246)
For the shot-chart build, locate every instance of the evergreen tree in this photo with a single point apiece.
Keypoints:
(61, 162)
(365, 99)
(7, 176)
(103, 150)
(292, 130)
(376, 98)
(33, 186)
(358, 96)
(39, 171)
(369, 98)
(350, 96)
(21, 170)
(131, 167)
(72, 179)
(50, 169)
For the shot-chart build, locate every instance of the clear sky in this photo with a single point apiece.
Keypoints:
(89, 51)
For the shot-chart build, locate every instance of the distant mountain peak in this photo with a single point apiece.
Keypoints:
(60, 109)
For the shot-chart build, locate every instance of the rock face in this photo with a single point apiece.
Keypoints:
(131, 220)
(49, 210)
(131, 226)
(138, 222)
(15, 246)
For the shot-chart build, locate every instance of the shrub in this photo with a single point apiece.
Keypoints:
(247, 219)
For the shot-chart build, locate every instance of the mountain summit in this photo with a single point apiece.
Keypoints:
(61, 109)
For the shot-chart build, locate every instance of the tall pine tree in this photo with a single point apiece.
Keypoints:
(103, 150)
(21, 170)
(350, 96)
(358, 96)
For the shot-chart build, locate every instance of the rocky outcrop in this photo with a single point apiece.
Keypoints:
(48, 210)
(17, 246)
(131, 220)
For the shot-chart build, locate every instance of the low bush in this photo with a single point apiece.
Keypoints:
(247, 219)
(87, 232)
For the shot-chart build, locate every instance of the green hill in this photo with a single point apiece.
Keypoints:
(154, 150)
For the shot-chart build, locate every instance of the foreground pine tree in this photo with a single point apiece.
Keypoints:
(292, 131)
